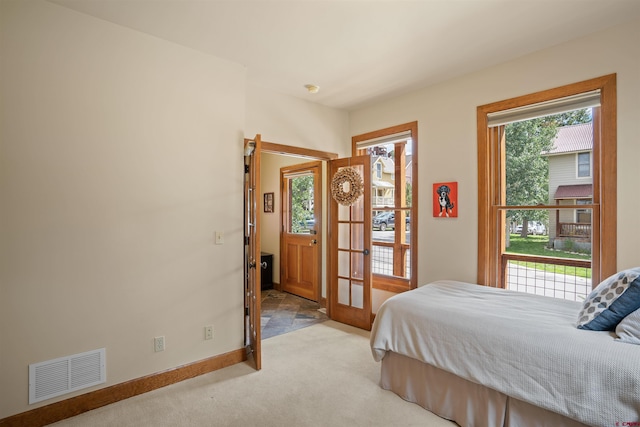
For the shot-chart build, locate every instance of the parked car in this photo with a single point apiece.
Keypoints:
(534, 227)
(307, 224)
(386, 220)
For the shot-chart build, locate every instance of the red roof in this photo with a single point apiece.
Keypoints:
(574, 138)
(579, 191)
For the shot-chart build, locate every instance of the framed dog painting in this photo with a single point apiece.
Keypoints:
(445, 199)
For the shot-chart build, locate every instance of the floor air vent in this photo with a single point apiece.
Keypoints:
(66, 374)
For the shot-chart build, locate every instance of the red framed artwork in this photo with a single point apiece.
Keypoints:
(445, 199)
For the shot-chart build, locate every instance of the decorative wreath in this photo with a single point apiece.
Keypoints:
(355, 186)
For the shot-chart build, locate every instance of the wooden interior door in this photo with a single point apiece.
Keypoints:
(349, 290)
(252, 250)
(300, 258)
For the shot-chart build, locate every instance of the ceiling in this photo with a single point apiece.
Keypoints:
(361, 51)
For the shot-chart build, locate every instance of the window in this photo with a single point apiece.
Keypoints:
(583, 216)
(394, 206)
(503, 220)
(584, 165)
(300, 190)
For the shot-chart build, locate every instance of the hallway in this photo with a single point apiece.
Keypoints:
(283, 312)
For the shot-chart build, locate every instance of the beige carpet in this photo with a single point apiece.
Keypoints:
(322, 375)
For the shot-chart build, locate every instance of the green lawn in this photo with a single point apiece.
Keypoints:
(537, 245)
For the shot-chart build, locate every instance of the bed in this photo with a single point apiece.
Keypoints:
(482, 356)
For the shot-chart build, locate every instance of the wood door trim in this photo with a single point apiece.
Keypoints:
(274, 148)
(271, 147)
(290, 150)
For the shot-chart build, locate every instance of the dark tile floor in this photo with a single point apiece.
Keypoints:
(283, 312)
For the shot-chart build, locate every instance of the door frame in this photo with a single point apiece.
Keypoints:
(290, 150)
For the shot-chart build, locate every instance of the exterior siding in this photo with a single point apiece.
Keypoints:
(563, 171)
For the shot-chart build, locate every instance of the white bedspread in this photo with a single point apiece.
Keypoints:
(525, 346)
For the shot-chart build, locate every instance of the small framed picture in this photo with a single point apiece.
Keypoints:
(445, 199)
(268, 202)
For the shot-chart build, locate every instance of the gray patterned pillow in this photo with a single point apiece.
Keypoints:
(628, 330)
(614, 299)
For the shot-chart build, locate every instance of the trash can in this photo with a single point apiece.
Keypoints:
(266, 260)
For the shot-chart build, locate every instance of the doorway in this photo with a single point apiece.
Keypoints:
(282, 312)
(275, 304)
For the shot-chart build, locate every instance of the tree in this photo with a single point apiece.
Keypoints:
(527, 170)
(301, 202)
(572, 117)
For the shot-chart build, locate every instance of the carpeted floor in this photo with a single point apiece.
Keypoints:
(322, 375)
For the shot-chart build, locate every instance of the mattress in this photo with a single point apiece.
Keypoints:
(524, 346)
(456, 399)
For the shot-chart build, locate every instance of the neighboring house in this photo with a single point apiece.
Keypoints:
(570, 183)
(382, 181)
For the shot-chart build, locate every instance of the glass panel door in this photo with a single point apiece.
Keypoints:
(350, 231)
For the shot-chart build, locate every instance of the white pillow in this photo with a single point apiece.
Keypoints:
(628, 330)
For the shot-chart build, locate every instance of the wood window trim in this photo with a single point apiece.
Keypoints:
(389, 283)
(313, 168)
(604, 259)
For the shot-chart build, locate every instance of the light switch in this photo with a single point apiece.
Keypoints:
(219, 237)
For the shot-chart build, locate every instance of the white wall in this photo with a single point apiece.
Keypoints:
(120, 154)
(446, 115)
(291, 121)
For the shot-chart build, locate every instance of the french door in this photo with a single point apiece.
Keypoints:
(252, 266)
(349, 290)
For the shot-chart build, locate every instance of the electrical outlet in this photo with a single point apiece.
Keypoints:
(158, 344)
(208, 332)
